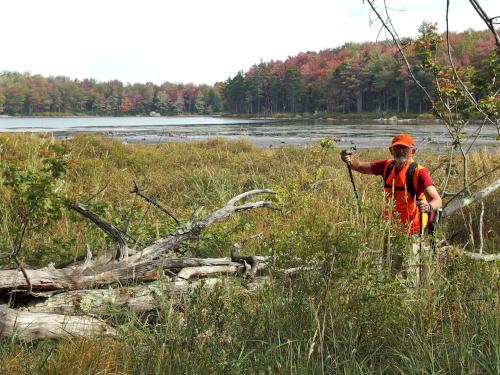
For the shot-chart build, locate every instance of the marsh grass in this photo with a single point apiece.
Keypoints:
(353, 318)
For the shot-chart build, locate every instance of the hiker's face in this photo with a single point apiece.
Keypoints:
(401, 153)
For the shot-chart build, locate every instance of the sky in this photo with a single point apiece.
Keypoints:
(195, 41)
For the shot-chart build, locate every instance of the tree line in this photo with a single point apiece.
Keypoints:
(357, 77)
(33, 94)
(367, 77)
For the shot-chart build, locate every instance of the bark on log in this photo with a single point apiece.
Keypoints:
(138, 299)
(27, 326)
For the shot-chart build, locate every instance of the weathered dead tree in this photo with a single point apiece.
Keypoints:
(464, 202)
(477, 197)
(54, 297)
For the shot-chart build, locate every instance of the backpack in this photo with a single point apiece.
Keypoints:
(433, 220)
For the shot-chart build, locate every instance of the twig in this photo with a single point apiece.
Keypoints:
(470, 96)
(25, 274)
(476, 135)
(481, 218)
(153, 201)
(448, 171)
(17, 249)
(96, 194)
(196, 213)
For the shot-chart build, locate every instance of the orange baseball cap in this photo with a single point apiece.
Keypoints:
(403, 139)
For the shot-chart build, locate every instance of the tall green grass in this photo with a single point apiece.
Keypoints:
(352, 317)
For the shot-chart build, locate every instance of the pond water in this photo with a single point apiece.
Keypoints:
(263, 133)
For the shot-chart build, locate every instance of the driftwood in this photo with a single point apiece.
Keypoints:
(49, 300)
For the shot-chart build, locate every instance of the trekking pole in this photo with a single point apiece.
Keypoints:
(350, 152)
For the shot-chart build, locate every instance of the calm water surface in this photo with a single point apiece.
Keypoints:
(264, 133)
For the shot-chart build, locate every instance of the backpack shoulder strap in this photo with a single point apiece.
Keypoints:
(410, 183)
(388, 170)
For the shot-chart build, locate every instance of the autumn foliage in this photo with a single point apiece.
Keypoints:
(366, 77)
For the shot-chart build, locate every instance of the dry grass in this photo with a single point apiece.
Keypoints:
(354, 319)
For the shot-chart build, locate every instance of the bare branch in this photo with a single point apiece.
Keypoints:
(246, 194)
(250, 263)
(481, 220)
(25, 274)
(230, 207)
(153, 201)
(487, 20)
(196, 213)
(469, 95)
(188, 272)
(444, 184)
(396, 41)
(17, 249)
(96, 193)
(110, 229)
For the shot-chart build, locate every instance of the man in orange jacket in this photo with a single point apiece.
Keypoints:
(410, 188)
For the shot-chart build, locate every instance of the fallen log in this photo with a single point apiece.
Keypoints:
(484, 257)
(121, 272)
(143, 298)
(28, 326)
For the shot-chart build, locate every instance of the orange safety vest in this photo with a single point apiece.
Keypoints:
(403, 194)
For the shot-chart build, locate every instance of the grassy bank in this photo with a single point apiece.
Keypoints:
(355, 318)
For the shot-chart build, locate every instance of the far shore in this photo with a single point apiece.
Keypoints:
(382, 118)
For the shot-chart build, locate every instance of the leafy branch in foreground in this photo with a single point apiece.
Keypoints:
(457, 93)
(38, 199)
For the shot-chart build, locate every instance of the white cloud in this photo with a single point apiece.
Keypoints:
(196, 41)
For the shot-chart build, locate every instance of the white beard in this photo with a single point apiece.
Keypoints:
(401, 161)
